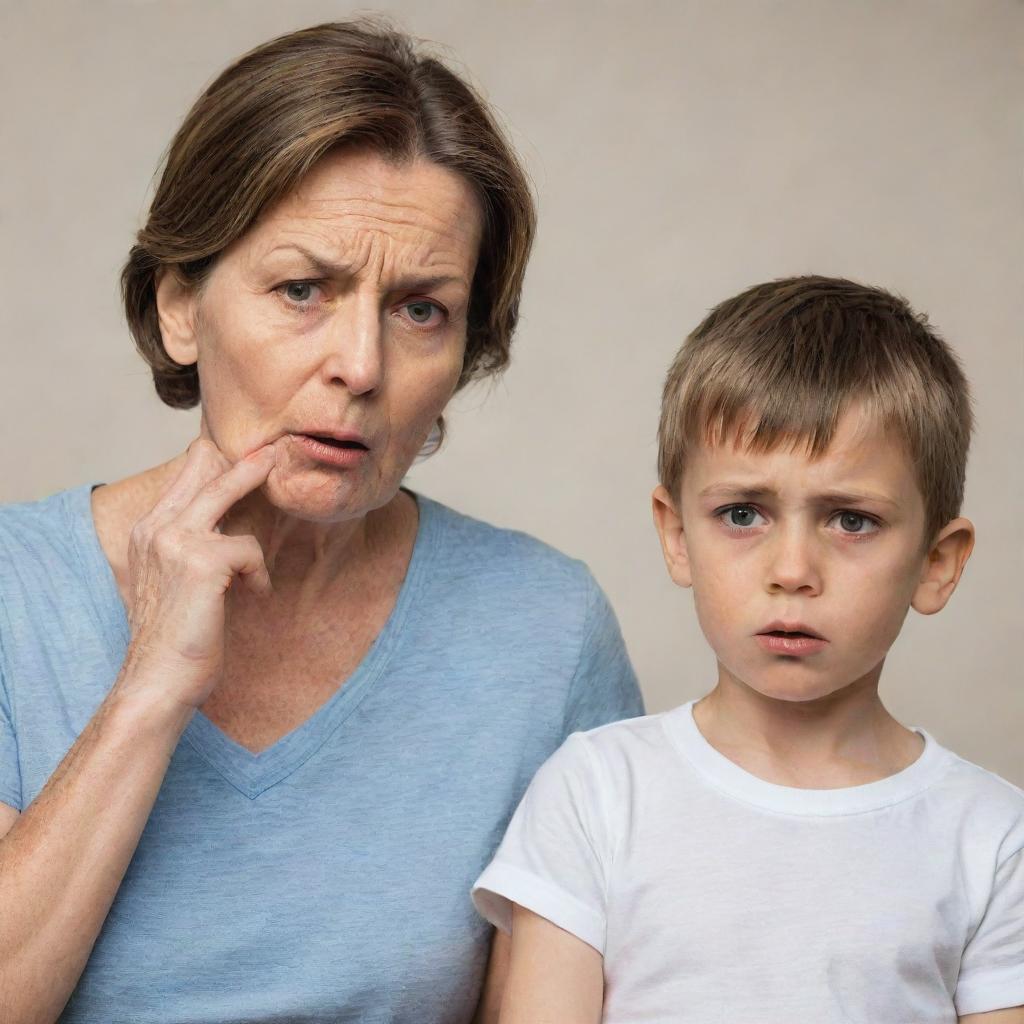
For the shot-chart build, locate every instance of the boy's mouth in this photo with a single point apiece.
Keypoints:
(791, 640)
(789, 629)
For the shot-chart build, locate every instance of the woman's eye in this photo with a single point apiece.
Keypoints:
(423, 312)
(854, 522)
(299, 292)
(739, 516)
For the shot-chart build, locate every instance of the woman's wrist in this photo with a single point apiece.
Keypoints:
(145, 709)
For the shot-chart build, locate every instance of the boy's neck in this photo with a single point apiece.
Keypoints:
(845, 739)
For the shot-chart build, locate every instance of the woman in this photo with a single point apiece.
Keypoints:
(264, 714)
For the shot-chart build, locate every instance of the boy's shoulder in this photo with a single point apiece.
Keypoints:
(989, 799)
(619, 751)
(645, 732)
(644, 752)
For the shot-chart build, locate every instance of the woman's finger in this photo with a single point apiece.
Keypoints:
(204, 462)
(246, 561)
(215, 498)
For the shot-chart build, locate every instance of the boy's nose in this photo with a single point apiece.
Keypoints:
(354, 346)
(792, 565)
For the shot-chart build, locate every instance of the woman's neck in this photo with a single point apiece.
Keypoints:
(310, 555)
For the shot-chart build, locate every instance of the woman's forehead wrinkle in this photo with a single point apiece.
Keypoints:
(441, 203)
(361, 252)
(334, 237)
(413, 221)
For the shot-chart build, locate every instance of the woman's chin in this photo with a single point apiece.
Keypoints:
(317, 497)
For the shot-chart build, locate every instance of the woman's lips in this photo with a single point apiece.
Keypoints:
(343, 454)
(792, 644)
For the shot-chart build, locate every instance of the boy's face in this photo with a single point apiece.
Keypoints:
(831, 547)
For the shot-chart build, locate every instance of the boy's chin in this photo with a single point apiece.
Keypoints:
(800, 695)
(793, 687)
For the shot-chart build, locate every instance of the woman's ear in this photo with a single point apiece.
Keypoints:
(669, 525)
(175, 307)
(942, 566)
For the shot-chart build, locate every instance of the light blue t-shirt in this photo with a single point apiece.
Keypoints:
(326, 878)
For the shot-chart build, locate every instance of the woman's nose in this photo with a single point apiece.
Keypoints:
(354, 347)
(793, 563)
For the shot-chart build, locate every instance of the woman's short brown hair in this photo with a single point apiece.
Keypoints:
(781, 362)
(267, 119)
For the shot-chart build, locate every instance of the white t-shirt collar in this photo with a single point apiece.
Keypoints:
(730, 778)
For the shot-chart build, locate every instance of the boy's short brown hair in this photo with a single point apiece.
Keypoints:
(781, 361)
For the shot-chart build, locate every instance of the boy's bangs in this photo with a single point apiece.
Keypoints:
(762, 426)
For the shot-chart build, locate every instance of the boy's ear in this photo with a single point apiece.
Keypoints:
(943, 565)
(669, 525)
(176, 312)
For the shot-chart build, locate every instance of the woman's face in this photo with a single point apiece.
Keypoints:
(339, 316)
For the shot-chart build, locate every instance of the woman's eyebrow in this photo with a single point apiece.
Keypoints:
(321, 266)
(326, 268)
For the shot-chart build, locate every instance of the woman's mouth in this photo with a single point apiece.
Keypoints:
(343, 452)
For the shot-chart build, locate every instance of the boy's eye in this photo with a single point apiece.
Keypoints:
(854, 522)
(739, 515)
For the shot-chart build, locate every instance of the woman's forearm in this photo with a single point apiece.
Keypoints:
(64, 858)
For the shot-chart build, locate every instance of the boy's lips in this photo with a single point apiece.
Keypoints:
(791, 638)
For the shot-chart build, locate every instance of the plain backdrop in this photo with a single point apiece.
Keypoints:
(680, 152)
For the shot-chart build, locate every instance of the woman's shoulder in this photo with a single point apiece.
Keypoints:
(474, 548)
(46, 522)
(44, 532)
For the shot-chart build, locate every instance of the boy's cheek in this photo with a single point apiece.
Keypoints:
(718, 613)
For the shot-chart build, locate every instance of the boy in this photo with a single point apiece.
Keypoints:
(782, 850)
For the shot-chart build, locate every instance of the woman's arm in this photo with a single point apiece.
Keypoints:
(64, 857)
(553, 977)
(62, 860)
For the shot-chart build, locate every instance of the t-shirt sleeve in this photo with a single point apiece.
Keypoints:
(604, 687)
(992, 965)
(10, 774)
(555, 854)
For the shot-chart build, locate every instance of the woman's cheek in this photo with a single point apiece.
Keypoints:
(433, 401)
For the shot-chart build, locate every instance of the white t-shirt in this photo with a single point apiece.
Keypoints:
(715, 896)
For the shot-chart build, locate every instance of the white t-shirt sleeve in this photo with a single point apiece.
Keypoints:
(992, 965)
(555, 854)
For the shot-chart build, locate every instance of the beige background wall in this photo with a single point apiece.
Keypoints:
(681, 151)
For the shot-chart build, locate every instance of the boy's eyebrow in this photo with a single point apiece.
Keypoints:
(855, 497)
(756, 492)
(735, 491)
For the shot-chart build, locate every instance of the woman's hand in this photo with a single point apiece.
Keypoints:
(181, 567)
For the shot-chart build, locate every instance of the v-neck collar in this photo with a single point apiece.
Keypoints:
(252, 774)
